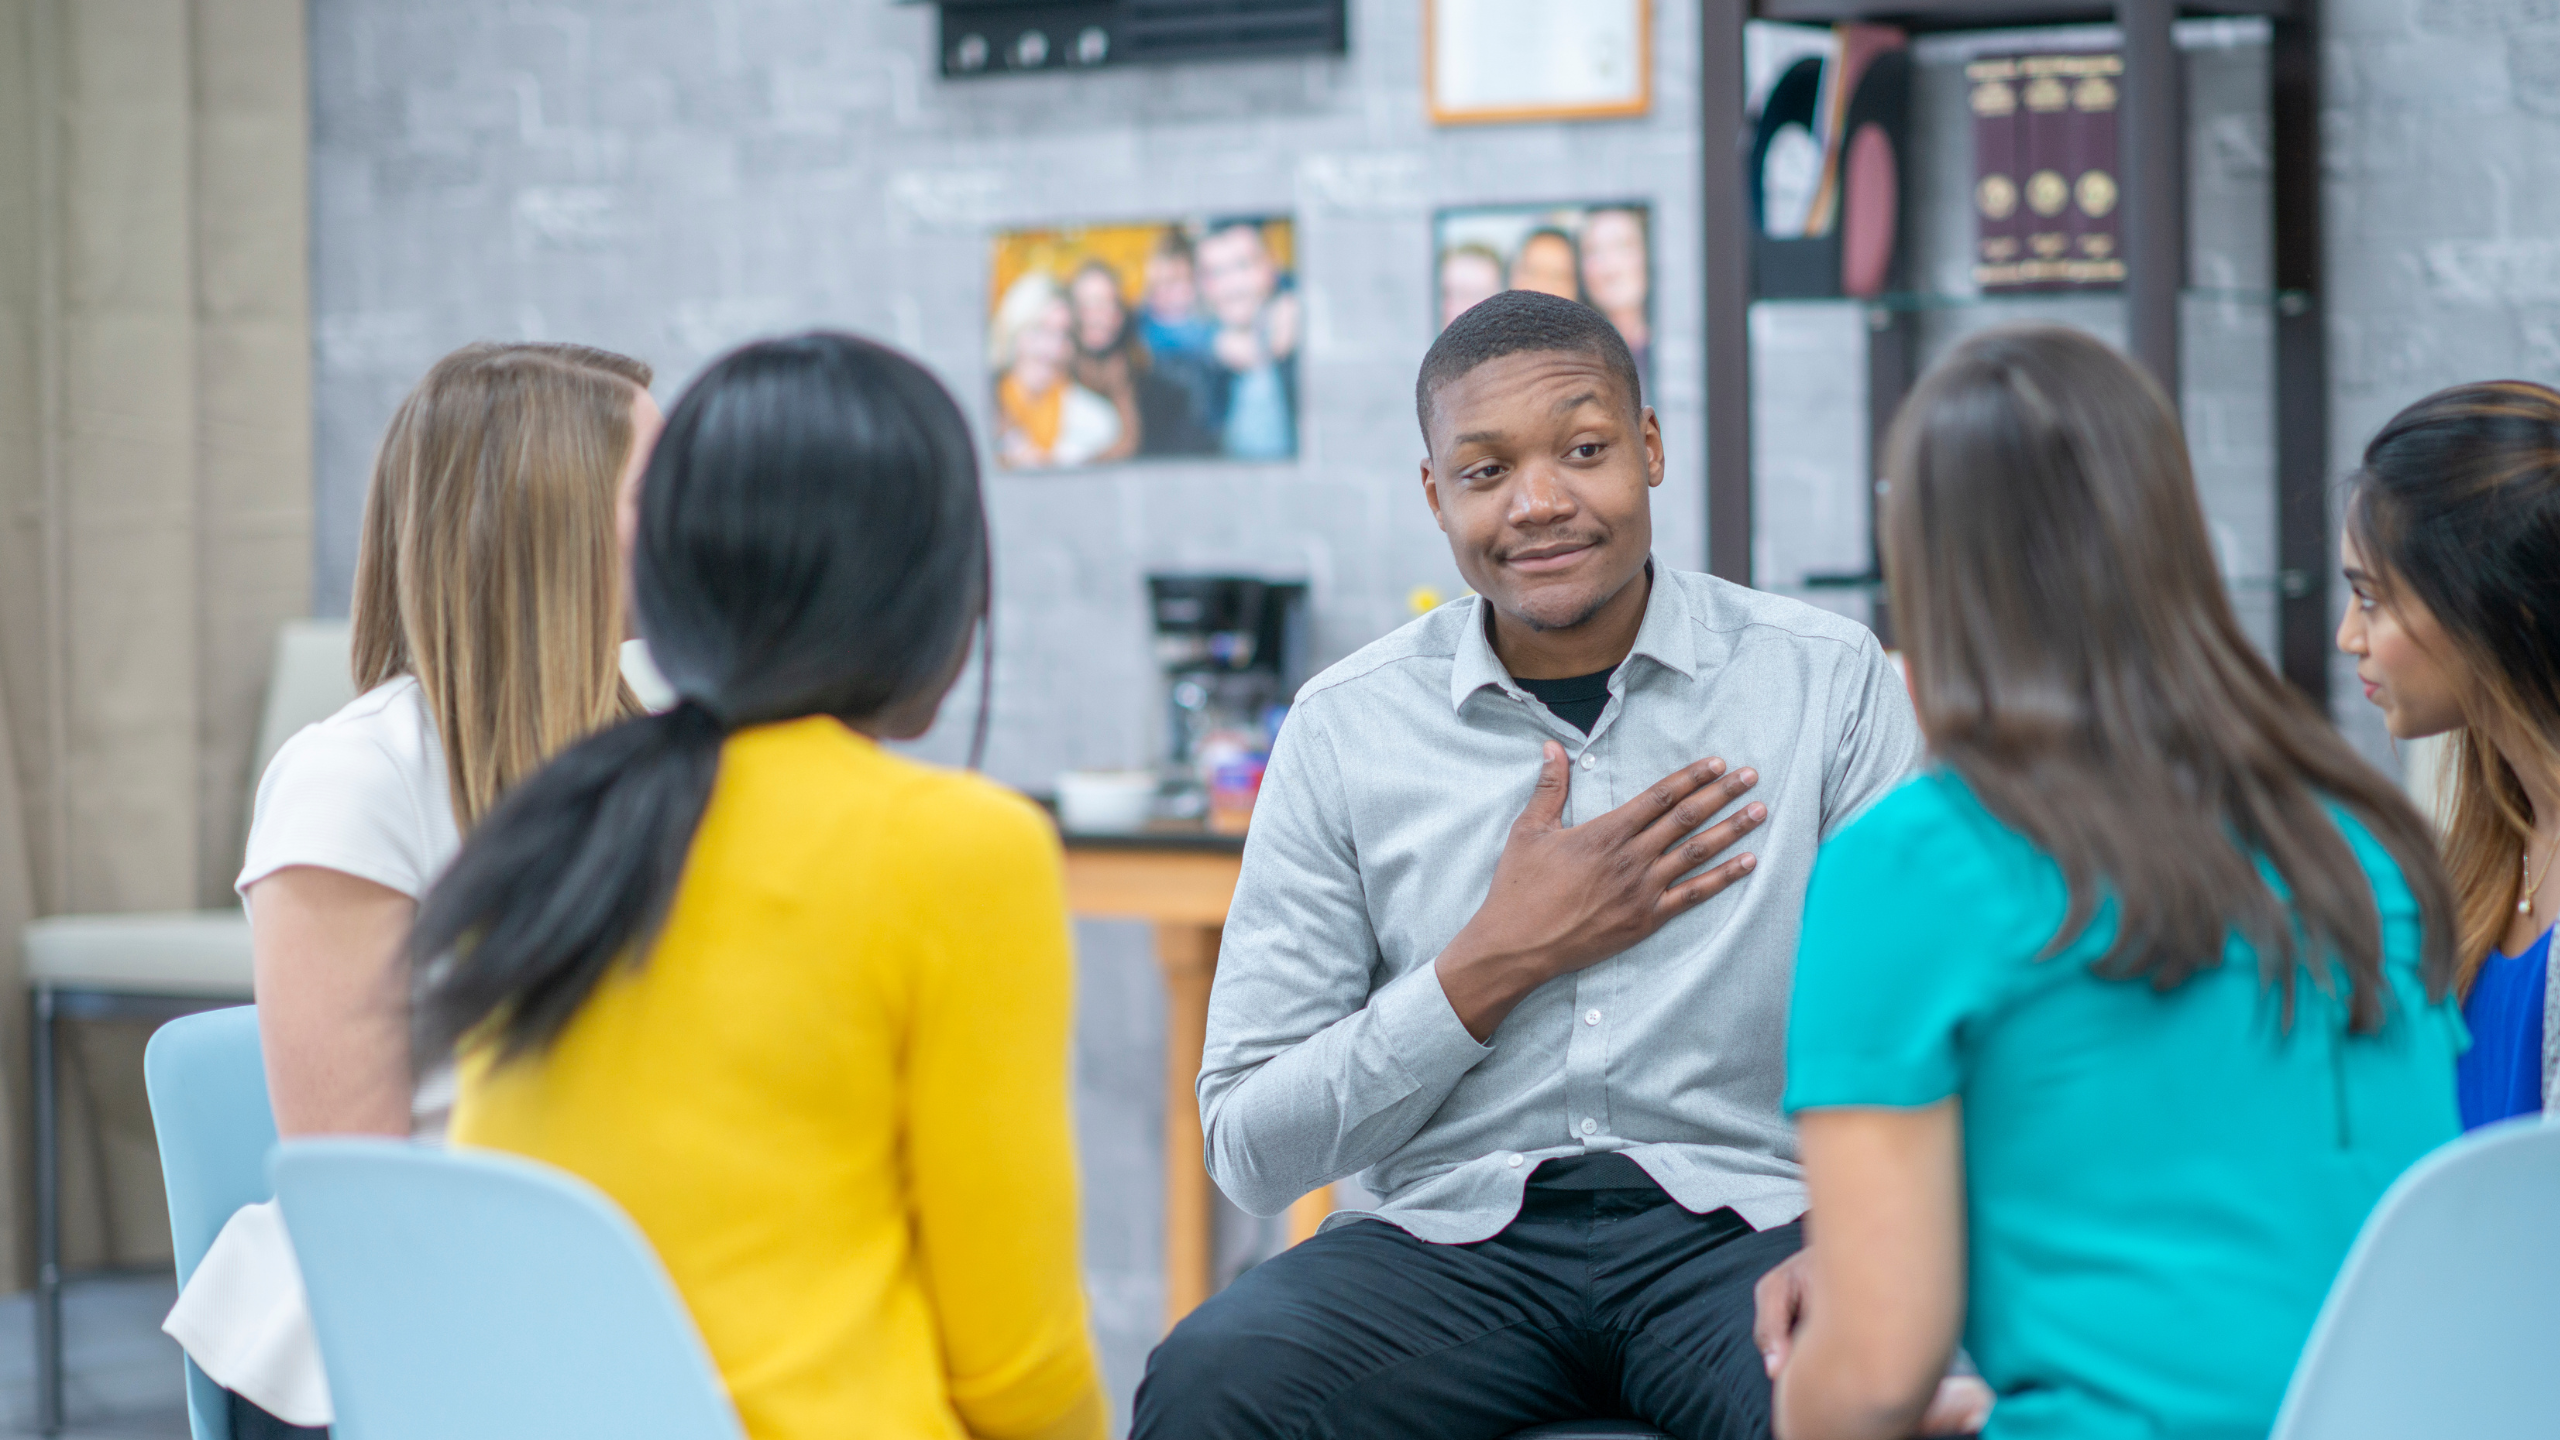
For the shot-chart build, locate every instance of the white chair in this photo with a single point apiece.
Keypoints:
(151, 967)
(2441, 1321)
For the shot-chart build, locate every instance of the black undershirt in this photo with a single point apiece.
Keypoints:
(1576, 699)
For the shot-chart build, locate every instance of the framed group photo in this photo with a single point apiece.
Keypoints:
(1600, 254)
(1165, 339)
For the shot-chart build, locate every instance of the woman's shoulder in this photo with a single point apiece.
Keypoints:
(2391, 892)
(823, 765)
(1933, 812)
(363, 791)
(383, 735)
(1931, 853)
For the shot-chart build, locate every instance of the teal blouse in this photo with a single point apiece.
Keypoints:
(2159, 1187)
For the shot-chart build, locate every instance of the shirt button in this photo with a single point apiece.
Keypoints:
(1590, 1017)
(1589, 759)
(1590, 1127)
(1513, 1162)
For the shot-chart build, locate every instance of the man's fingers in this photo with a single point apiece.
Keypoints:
(1663, 797)
(1545, 810)
(1689, 894)
(1694, 810)
(1775, 1303)
(1707, 844)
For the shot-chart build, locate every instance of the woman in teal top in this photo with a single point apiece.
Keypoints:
(2111, 1027)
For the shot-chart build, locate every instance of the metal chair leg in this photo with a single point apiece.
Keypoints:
(48, 1219)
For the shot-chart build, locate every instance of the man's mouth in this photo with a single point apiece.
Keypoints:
(1555, 555)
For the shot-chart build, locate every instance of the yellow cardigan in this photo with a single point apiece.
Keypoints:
(834, 1096)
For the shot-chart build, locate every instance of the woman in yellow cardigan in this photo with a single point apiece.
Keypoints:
(798, 1004)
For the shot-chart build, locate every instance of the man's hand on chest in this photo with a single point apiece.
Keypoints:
(1566, 897)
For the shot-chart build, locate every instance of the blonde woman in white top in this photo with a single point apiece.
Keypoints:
(489, 611)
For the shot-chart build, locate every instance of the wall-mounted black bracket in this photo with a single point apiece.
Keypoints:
(1015, 37)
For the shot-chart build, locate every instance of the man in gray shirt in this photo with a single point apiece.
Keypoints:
(1495, 951)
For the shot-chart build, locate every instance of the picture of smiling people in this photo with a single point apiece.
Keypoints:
(1600, 255)
(1258, 324)
(1470, 274)
(1161, 340)
(1044, 418)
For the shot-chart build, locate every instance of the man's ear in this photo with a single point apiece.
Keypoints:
(1431, 496)
(1652, 448)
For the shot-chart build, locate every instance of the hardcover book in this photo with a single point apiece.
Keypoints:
(2045, 159)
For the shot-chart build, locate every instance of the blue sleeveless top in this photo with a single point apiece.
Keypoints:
(2500, 1076)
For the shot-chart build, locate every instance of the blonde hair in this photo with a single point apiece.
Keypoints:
(489, 568)
(1025, 301)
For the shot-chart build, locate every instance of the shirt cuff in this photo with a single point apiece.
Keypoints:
(1422, 1030)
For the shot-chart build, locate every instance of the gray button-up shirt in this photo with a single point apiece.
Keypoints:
(1332, 1050)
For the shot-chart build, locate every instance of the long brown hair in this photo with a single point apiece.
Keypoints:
(2457, 507)
(488, 564)
(2074, 659)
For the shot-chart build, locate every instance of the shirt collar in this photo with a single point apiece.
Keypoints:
(1668, 637)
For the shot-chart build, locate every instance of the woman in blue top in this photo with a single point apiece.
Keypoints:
(2111, 1025)
(2453, 547)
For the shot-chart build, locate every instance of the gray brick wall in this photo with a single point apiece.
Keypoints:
(670, 179)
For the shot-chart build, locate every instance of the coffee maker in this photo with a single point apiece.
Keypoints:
(1232, 650)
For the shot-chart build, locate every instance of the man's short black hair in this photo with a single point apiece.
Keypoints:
(1517, 322)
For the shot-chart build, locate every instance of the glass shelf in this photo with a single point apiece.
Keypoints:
(2290, 583)
(2289, 302)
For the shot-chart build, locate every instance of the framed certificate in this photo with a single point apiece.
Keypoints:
(1489, 61)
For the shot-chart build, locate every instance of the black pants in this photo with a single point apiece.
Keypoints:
(1594, 1304)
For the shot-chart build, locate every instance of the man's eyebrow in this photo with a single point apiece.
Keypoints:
(2357, 577)
(1587, 397)
(1478, 437)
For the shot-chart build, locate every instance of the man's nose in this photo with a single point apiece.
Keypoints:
(1540, 498)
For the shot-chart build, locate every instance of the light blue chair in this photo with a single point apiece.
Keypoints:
(461, 1293)
(208, 1090)
(2441, 1321)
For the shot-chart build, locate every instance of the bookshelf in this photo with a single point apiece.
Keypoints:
(2158, 301)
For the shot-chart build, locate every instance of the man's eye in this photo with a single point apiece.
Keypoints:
(1587, 451)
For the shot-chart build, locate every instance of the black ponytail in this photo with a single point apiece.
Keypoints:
(811, 542)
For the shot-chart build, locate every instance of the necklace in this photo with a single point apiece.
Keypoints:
(2524, 901)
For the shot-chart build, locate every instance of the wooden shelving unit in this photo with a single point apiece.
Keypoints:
(2152, 172)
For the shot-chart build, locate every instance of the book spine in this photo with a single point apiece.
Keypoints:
(1999, 233)
(2097, 255)
(2044, 99)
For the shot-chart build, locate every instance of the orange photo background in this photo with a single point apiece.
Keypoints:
(1122, 247)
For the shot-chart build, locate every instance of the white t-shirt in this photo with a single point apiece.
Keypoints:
(364, 792)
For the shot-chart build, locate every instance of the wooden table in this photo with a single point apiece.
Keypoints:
(1179, 880)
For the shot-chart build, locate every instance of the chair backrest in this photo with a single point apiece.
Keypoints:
(2441, 1320)
(313, 678)
(459, 1292)
(208, 1089)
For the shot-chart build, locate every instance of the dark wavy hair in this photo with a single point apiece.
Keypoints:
(1517, 322)
(2074, 658)
(2457, 506)
(812, 542)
